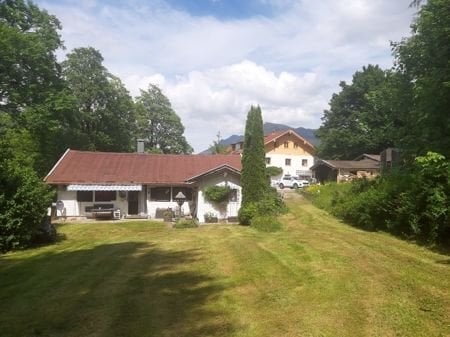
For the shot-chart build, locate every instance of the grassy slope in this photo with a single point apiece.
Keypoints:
(317, 278)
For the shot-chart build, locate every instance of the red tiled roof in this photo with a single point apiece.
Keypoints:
(109, 167)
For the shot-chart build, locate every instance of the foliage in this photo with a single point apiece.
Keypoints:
(218, 147)
(413, 204)
(34, 106)
(104, 117)
(270, 205)
(266, 223)
(28, 67)
(247, 212)
(362, 117)
(24, 199)
(253, 178)
(185, 223)
(158, 123)
(273, 171)
(217, 193)
(424, 59)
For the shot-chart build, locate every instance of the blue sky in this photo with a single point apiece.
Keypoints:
(214, 58)
(225, 9)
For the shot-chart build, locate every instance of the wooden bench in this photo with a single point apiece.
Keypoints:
(104, 211)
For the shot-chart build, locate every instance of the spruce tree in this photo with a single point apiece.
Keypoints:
(254, 181)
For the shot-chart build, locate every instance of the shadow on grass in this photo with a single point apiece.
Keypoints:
(124, 289)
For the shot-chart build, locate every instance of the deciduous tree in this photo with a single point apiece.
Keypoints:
(362, 116)
(104, 116)
(159, 124)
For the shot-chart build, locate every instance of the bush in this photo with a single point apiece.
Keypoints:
(247, 213)
(24, 200)
(45, 233)
(413, 203)
(217, 193)
(186, 223)
(270, 205)
(266, 223)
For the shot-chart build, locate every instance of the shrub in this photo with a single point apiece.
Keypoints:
(24, 200)
(413, 202)
(266, 223)
(246, 213)
(270, 204)
(217, 193)
(186, 223)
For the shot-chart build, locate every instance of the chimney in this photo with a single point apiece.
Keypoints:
(140, 145)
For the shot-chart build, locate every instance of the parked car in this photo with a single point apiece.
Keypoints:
(290, 182)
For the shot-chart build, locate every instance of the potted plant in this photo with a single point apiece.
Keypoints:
(168, 215)
(210, 217)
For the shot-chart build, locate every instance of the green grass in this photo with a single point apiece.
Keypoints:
(316, 277)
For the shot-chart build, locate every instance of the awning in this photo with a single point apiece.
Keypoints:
(104, 187)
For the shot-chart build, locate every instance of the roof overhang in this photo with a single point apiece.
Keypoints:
(215, 171)
(104, 187)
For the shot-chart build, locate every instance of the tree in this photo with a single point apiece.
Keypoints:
(158, 123)
(424, 59)
(218, 147)
(253, 180)
(28, 67)
(104, 117)
(33, 103)
(363, 116)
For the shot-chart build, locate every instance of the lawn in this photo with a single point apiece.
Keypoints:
(317, 277)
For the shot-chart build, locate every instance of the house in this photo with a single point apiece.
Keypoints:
(288, 150)
(366, 165)
(144, 185)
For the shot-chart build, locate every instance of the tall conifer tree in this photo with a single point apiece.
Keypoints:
(254, 181)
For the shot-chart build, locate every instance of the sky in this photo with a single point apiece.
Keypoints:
(213, 59)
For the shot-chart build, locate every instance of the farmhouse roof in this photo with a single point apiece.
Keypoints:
(83, 167)
(364, 164)
(375, 157)
(272, 137)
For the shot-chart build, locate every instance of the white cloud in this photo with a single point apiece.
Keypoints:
(212, 70)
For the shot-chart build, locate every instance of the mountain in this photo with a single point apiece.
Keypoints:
(308, 134)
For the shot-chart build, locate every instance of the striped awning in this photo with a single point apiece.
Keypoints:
(104, 187)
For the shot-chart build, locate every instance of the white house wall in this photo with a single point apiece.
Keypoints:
(204, 206)
(74, 208)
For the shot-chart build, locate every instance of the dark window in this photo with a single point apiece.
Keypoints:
(287, 162)
(160, 194)
(286, 144)
(268, 160)
(186, 191)
(295, 145)
(85, 196)
(234, 195)
(105, 195)
(304, 162)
